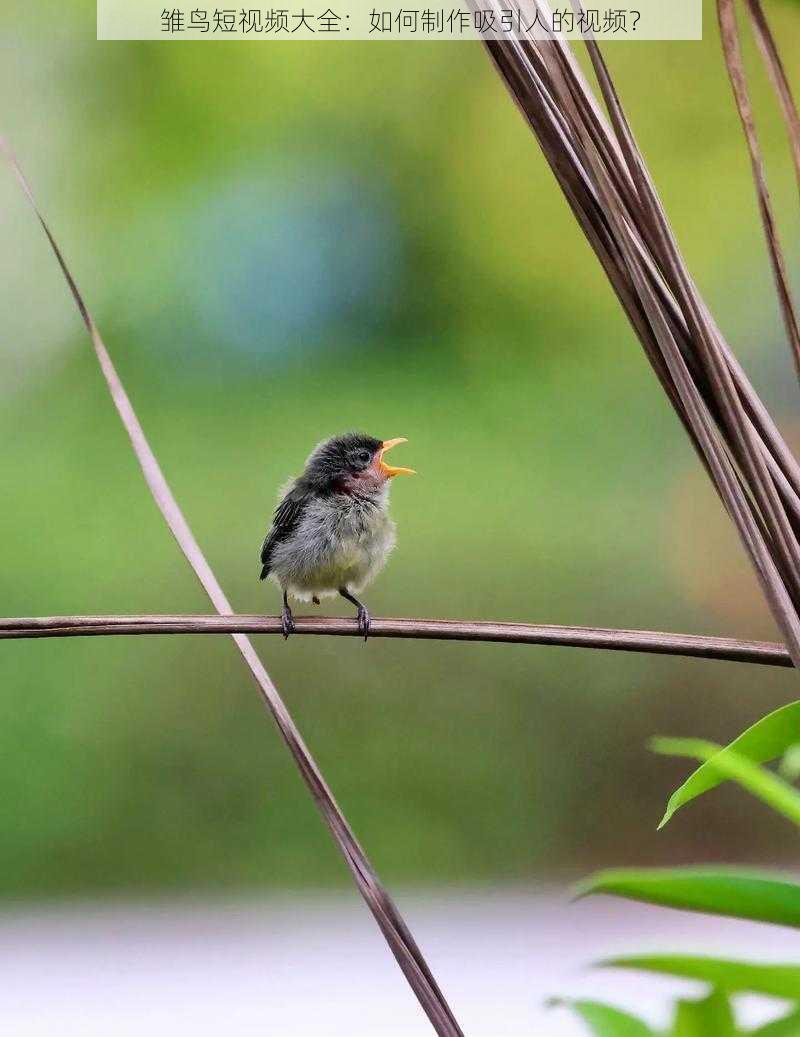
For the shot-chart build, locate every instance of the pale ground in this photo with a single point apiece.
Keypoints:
(317, 965)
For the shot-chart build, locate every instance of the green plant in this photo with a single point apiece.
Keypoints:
(760, 896)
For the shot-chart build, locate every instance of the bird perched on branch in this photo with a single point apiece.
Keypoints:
(331, 533)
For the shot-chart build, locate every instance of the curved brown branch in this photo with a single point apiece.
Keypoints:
(769, 653)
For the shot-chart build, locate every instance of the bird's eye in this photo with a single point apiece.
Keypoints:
(364, 457)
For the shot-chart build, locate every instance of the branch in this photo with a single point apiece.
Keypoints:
(767, 653)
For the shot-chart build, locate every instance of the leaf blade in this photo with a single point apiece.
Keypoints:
(605, 1020)
(733, 892)
(710, 1016)
(763, 784)
(734, 977)
(762, 742)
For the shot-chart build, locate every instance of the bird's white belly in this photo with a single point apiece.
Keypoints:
(348, 566)
(332, 550)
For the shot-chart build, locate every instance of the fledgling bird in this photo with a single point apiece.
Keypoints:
(331, 533)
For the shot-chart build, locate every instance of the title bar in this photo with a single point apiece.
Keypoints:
(330, 20)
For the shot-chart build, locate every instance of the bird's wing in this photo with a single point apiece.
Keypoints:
(285, 521)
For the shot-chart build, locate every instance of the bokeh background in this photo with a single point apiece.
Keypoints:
(282, 242)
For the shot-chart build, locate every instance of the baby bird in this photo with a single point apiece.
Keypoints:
(331, 533)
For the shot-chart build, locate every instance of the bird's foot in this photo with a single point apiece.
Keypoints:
(364, 621)
(287, 622)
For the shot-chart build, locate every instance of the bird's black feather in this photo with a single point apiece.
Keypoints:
(285, 521)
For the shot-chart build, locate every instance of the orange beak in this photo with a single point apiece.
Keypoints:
(389, 470)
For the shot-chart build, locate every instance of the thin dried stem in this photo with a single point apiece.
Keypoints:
(731, 45)
(777, 74)
(397, 935)
(656, 642)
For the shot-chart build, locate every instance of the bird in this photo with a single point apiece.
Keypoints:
(331, 532)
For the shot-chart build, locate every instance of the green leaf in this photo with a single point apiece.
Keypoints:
(727, 764)
(710, 1017)
(606, 1021)
(737, 892)
(731, 976)
(786, 1026)
(764, 741)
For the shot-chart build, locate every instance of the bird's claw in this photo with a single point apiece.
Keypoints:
(364, 621)
(287, 622)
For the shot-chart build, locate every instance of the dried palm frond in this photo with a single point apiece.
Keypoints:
(605, 179)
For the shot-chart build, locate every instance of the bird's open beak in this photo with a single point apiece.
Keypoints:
(387, 469)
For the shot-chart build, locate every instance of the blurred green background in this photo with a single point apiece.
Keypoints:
(283, 242)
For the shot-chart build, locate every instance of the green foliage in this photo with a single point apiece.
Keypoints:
(710, 1016)
(728, 764)
(734, 977)
(605, 1020)
(734, 892)
(739, 893)
(766, 740)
